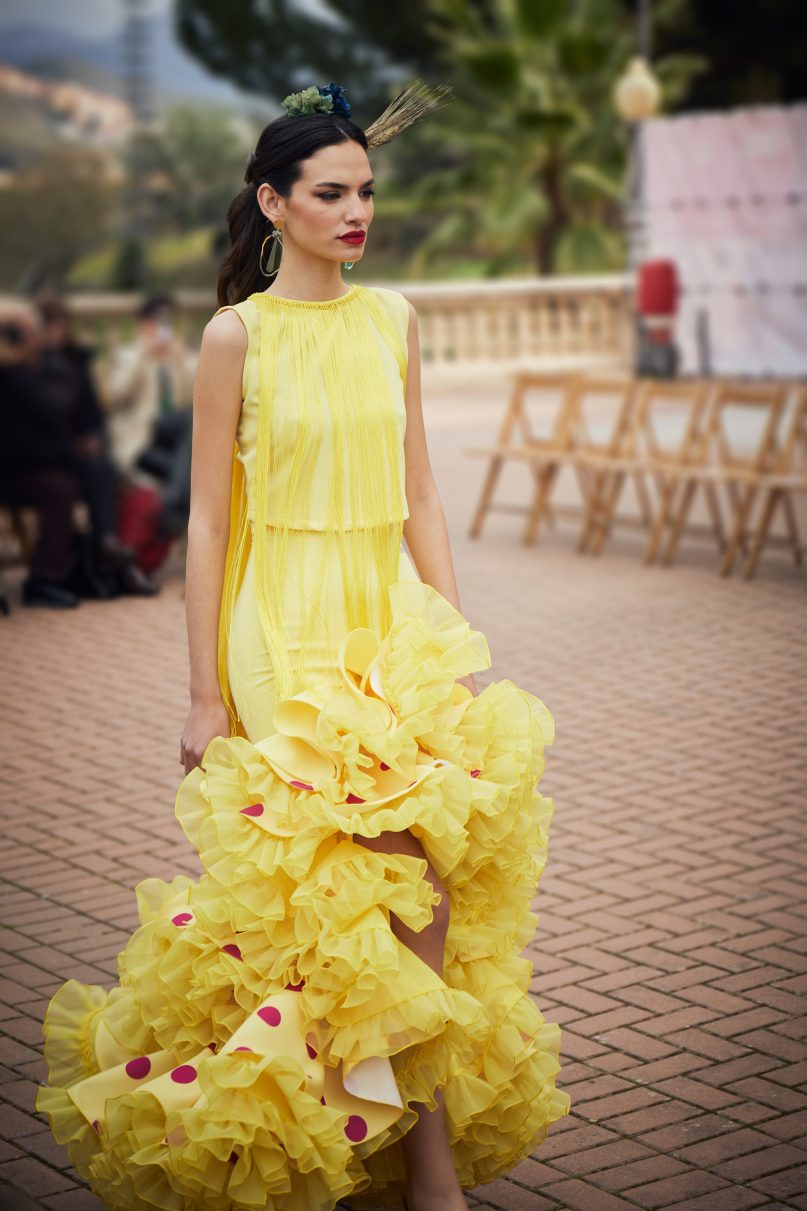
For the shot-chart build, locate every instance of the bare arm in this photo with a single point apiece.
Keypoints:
(425, 529)
(216, 407)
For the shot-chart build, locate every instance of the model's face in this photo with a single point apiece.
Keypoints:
(333, 198)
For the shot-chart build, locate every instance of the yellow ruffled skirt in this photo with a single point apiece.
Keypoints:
(270, 1037)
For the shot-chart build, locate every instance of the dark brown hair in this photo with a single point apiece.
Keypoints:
(51, 307)
(282, 147)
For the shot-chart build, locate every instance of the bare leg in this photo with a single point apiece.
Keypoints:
(431, 1180)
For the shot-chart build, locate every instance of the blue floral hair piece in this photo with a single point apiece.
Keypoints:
(328, 99)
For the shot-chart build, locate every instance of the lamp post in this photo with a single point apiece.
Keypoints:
(636, 96)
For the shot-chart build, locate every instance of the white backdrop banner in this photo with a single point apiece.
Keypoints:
(726, 199)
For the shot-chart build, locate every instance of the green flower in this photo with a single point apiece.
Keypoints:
(309, 101)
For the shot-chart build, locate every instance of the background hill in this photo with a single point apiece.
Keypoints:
(58, 54)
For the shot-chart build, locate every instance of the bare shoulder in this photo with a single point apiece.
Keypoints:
(225, 333)
(222, 359)
(398, 305)
(394, 300)
(412, 320)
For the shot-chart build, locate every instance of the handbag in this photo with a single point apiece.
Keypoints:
(167, 434)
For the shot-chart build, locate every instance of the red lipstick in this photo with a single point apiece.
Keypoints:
(353, 237)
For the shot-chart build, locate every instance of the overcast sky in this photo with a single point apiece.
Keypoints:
(85, 17)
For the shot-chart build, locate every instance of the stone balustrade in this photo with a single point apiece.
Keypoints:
(474, 329)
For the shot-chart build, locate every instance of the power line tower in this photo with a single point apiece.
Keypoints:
(139, 89)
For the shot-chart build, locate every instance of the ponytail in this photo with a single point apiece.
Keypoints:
(240, 275)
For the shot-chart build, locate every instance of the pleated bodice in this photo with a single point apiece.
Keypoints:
(332, 377)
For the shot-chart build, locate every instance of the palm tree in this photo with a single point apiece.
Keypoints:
(538, 150)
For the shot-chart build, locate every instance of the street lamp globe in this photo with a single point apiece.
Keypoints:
(637, 92)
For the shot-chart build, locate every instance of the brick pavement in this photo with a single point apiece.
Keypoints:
(671, 941)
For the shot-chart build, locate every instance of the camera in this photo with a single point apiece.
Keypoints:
(12, 334)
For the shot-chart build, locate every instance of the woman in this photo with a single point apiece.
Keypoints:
(337, 1006)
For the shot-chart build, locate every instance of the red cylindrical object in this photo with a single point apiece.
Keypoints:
(657, 288)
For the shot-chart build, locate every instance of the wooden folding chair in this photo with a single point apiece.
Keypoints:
(604, 460)
(780, 486)
(718, 460)
(646, 451)
(18, 516)
(590, 442)
(584, 445)
(516, 439)
(667, 428)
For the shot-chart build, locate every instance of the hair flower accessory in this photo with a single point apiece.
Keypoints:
(413, 102)
(329, 99)
(338, 95)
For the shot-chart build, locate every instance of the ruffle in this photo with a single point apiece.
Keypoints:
(270, 1039)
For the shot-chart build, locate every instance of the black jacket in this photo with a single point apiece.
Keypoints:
(44, 407)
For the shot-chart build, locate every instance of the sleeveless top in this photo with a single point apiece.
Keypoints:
(319, 393)
(318, 449)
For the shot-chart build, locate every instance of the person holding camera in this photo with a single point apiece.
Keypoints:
(149, 390)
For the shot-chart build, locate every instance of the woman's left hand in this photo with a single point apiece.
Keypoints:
(470, 683)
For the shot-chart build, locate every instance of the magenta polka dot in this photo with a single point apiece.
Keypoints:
(255, 809)
(243, 1048)
(212, 1047)
(322, 1099)
(184, 1074)
(312, 1053)
(232, 1158)
(355, 1128)
(270, 1015)
(95, 1126)
(138, 1068)
(383, 765)
(295, 987)
(232, 949)
(475, 773)
(354, 799)
(302, 786)
(182, 918)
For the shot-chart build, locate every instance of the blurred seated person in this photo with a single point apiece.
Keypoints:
(35, 459)
(66, 367)
(149, 396)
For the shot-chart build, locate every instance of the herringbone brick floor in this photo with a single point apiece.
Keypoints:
(671, 940)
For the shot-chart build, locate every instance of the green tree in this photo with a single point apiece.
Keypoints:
(540, 150)
(756, 50)
(182, 174)
(55, 211)
(192, 164)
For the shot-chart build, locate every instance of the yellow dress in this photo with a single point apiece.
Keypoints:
(269, 1037)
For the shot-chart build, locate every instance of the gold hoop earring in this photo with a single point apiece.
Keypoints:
(276, 237)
